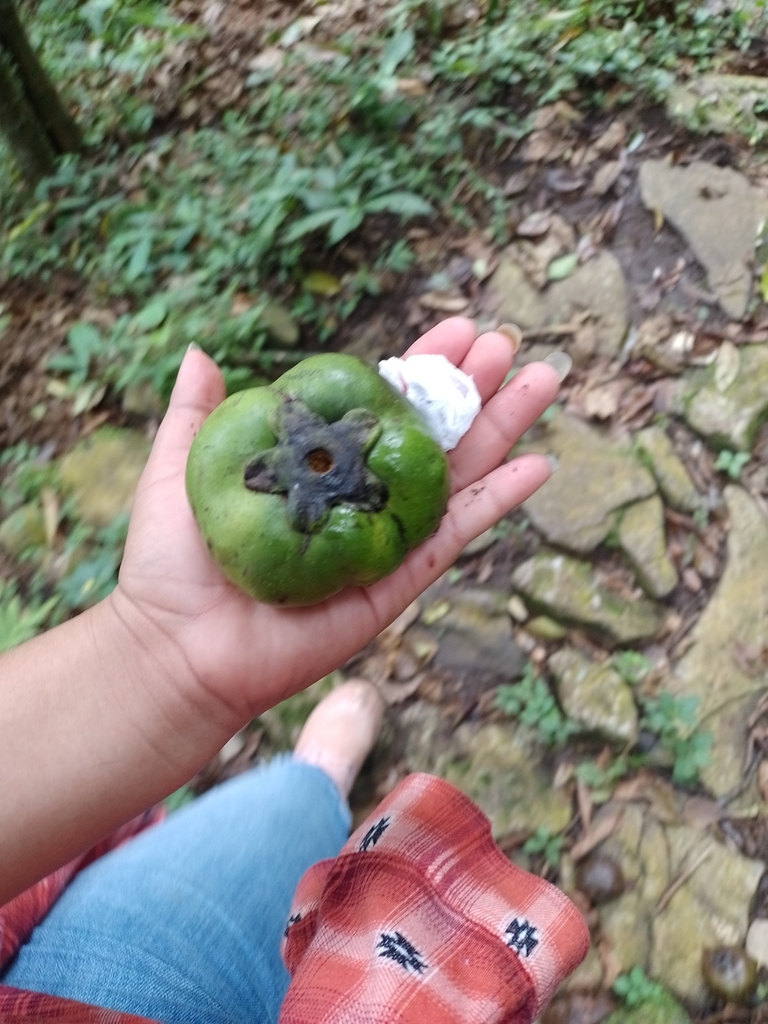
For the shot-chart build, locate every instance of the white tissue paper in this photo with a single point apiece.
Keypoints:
(444, 395)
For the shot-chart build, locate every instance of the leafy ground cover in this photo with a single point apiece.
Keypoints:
(269, 180)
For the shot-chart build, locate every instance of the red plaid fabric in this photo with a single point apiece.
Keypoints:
(17, 1007)
(19, 917)
(422, 920)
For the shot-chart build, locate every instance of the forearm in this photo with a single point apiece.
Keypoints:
(97, 723)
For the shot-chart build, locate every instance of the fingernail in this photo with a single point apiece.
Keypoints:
(554, 462)
(515, 335)
(561, 363)
(192, 347)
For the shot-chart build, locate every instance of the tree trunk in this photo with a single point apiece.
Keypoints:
(28, 141)
(42, 96)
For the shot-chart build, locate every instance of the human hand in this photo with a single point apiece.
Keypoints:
(241, 657)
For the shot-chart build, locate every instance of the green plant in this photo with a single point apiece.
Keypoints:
(532, 703)
(632, 666)
(732, 463)
(601, 780)
(94, 574)
(674, 721)
(20, 622)
(635, 988)
(544, 842)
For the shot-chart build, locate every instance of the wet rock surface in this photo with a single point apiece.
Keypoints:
(595, 696)
(23, 529)
(501, 768)
(474, 639)
(686, 892)
(727, 403)
(101, 472)
(641, 535)
(734, 622)
(596, 477)
(568, 590)
(596, 288)
(718, 213)
(717, 102)
(671, 475)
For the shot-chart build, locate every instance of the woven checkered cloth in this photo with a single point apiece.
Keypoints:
(19, 917)
(421, 919)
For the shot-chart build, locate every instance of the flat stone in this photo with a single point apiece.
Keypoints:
(544, 628)
(594, 695)
(23, 529)
(475, 641)
(500, 767)
(757, 941)
(596, 287)
(728, 410)
(720, 103)
(642, 537)
(568, 590)
(101, 472)
(709, 909)
(736, 619)
(576, 506)
(671, 475)
(718, 213)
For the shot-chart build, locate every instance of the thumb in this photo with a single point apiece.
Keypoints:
(199, 388)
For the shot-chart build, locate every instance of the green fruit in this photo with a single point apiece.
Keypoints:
(325, 479)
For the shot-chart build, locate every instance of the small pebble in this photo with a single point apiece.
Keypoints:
(692, 580)
(757, 941)
(730, 973)
(516, 608)
(600, 878)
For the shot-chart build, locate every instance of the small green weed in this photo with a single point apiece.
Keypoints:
(732, 463)
(602, 780)
(544, 842)
(532, 703)
(20, 622)
(635, 988)
(632, 666)
(674, 721)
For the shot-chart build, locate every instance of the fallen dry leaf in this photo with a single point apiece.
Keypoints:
(614, 136)
(535, 224)
(649, 788)
(395, 692)
(602, 402)
(518, 182)
(564, 182)
(443, 303)
(726, 366)
(606, 177)
(597, 832)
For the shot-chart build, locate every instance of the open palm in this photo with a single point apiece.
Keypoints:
(244, 656)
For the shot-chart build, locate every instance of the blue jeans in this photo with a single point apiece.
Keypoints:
(183, 924)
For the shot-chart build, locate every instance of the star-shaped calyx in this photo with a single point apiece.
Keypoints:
(317, 465)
